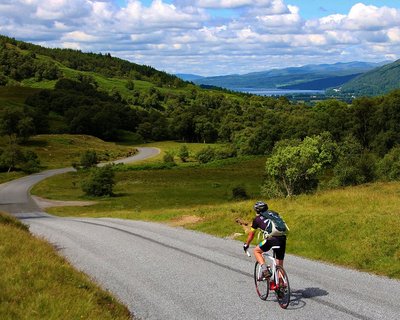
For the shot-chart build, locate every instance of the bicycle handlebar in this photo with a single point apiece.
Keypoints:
(248, 253)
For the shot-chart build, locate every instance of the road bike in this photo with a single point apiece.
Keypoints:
(278, 281)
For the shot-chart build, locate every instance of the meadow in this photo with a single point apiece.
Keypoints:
(62, 150)
(36, 283)
(356, 227)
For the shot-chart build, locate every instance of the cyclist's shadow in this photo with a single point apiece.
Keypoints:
(297, 297)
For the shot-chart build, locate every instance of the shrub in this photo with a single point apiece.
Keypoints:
(31, 162)
(206, 155)
(225, 153)
(100, 182)
(355, 171)
(183, 153)
(169, 158)
(389, 166)
(239, 193)
(89, 159)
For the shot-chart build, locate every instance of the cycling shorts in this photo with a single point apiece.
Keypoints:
(267, 244)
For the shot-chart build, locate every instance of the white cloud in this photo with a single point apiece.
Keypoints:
(277, 5)
(187, 36)
(78, 36)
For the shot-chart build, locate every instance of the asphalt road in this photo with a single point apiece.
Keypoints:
(161, 272)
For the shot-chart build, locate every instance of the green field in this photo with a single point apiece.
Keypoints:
(356, 227)
(35, 283)
(62, 150)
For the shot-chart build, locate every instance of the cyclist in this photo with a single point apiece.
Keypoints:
(274, 229)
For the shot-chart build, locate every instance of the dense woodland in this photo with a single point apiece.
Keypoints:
(363, 133)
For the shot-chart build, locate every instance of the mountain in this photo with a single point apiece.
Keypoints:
(188, 76)
(377, 81)
(313, 76)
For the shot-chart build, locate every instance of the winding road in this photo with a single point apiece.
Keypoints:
(161, 272)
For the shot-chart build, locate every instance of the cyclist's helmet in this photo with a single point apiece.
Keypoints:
(260, 207)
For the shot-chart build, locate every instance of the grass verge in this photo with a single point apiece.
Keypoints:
(35, 283)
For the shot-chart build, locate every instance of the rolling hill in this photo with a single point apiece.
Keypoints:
(378, 81)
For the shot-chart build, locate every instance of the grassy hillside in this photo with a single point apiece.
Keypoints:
(327, 226)
(59, 151)
(35, 283)
(378, 81)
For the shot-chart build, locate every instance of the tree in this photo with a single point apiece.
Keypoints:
(294, 168)
(354, 165)
(100, 182)
(389, 166)
(10, 157)
(15, 124)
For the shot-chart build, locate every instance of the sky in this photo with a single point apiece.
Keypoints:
(212, 37)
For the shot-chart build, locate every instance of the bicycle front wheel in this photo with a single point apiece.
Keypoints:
(282, 287)
(262, 284)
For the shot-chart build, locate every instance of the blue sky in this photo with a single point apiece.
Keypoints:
(212, 37)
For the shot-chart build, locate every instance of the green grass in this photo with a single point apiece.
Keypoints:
(14, 96)
(173, 147)
(36, 283)
(61, 150)
(179, 187)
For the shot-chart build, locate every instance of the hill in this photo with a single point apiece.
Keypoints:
(378, 81)
(189, 77)
(21, 61)
(306, 77)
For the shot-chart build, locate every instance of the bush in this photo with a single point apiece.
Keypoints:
(225, 153)
(169, 158)
(239, 193)
(350, 171)
(31, 163)
(100, 183)
(183, 153)
(389, 166)
(271, 189)
(206, 155)
(89, 159)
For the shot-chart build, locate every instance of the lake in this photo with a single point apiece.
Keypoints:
(278, 92)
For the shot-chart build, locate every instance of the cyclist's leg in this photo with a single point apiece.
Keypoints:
(280, 253)
(258, 254)
(264, 246)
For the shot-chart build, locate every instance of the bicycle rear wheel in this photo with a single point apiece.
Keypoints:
(262, 284)
(283, 288)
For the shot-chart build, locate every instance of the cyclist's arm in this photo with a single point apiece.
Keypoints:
(250, 237)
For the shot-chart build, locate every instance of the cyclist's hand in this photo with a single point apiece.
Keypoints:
(245, 247)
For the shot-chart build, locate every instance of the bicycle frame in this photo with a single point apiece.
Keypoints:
(270, 258)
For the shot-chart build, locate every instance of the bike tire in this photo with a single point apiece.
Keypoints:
(282, 291)
(262, 284)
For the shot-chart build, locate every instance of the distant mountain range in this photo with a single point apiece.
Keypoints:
(308, 77)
